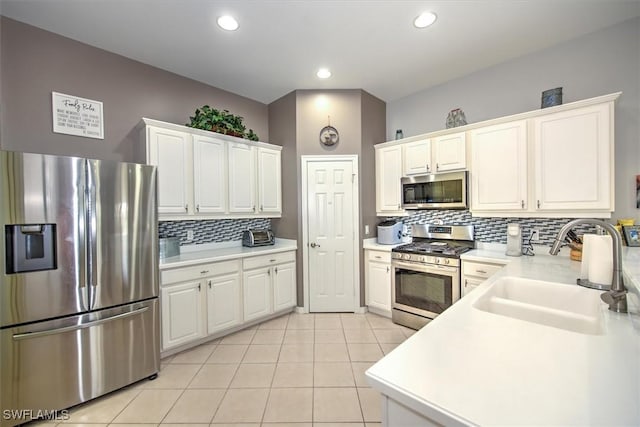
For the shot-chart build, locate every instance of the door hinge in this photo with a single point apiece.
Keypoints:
(353, 178)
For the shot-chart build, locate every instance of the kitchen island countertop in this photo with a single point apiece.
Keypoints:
(472, 367)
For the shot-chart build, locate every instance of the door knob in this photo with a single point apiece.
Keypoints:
(314, 245)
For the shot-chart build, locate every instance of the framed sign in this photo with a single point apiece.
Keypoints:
(77, 116)
(631, 234)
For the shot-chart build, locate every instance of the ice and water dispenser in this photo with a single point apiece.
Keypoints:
(30, 247)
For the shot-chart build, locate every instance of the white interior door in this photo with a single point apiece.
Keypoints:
(331, 252)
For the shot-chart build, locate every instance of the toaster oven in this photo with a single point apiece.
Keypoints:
(252, 238)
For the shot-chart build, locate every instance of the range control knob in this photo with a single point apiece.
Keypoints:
(437, 260)
(447, 261)
(407, 256)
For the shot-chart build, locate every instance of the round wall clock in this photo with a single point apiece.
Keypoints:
(329, 136)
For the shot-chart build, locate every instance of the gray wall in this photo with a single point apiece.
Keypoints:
(35, 62)
(603, 62)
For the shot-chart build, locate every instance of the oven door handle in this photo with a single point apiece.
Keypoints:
(431, 268)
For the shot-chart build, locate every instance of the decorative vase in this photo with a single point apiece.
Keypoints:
(456, 118)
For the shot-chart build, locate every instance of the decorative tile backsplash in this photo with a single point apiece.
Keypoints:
(210, 231)
(494, 230)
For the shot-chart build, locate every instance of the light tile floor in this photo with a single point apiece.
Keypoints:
(298, 370)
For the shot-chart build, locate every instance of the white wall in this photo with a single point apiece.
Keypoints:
(596, 64)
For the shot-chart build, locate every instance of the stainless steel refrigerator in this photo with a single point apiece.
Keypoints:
(79, 281)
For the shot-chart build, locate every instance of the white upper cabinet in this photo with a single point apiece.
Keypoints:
(269, 181)
(242, 178)
(449, 152)
(553, 164)
(417, 157)
(499, 167)
(169, 150)
(573, 155)
(255, 180)
(388, 173)
(209, 175)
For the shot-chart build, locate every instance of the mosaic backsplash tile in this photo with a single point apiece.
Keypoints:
(210, 231)
(494, 230)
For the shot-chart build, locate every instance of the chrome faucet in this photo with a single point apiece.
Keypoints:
(616, 297)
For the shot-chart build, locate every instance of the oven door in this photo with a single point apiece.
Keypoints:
(425, 290)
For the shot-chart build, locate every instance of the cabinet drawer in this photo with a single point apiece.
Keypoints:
(199, 271)
(267, 260)
(379, 256)
(479, 269)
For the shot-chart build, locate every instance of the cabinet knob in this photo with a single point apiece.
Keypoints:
(276, 270)
(538, 204)
(204, 271)
(272, 260)
(522, 204)
(428, 168)
(261, 208)
(481, 271)
(186, 207)
(398, 207)
(198, 208)
(387, 268)
(199, 287)
(269, 272)
(254, 208)
(314, 245)
(209, 284)
(378, 257)
(437, 167)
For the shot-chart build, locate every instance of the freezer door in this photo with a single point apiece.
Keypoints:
(59, 363)
(123, 233)
(42, 273)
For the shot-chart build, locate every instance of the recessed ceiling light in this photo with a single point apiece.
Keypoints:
(425, 19)
(323, 73)
(228, 23)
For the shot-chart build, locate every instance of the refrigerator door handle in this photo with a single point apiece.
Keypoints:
(91, 237)
(27, 335)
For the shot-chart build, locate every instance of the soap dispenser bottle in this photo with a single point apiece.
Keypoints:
(514, 240)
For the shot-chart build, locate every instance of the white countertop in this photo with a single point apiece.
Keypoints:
(372, 243)
(471, 367)
(199, 254)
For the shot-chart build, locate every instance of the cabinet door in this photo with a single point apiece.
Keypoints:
(499, 167)
(284, 286)
(573, 168)
(379, 285)
(256, 285)
(417, 157)
(182, 319)
(269, 181)
(242, 178)
(224, 303)
(169, 150)
(469, 284)
(449, 152)
(388, 174)
(209, 175)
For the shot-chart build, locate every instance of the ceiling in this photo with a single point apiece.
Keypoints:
(280, 44)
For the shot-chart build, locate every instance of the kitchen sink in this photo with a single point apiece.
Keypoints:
(558, 305)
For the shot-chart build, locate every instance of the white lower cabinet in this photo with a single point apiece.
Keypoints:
(257, 298)
(378, 281)
(474, 273)
(182, 319)
(206, 299)
(224, 309)
(269, 284)
(284, 286)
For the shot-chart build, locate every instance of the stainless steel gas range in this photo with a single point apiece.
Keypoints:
(426, 273)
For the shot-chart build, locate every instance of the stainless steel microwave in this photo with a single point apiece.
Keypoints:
(436, 191)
